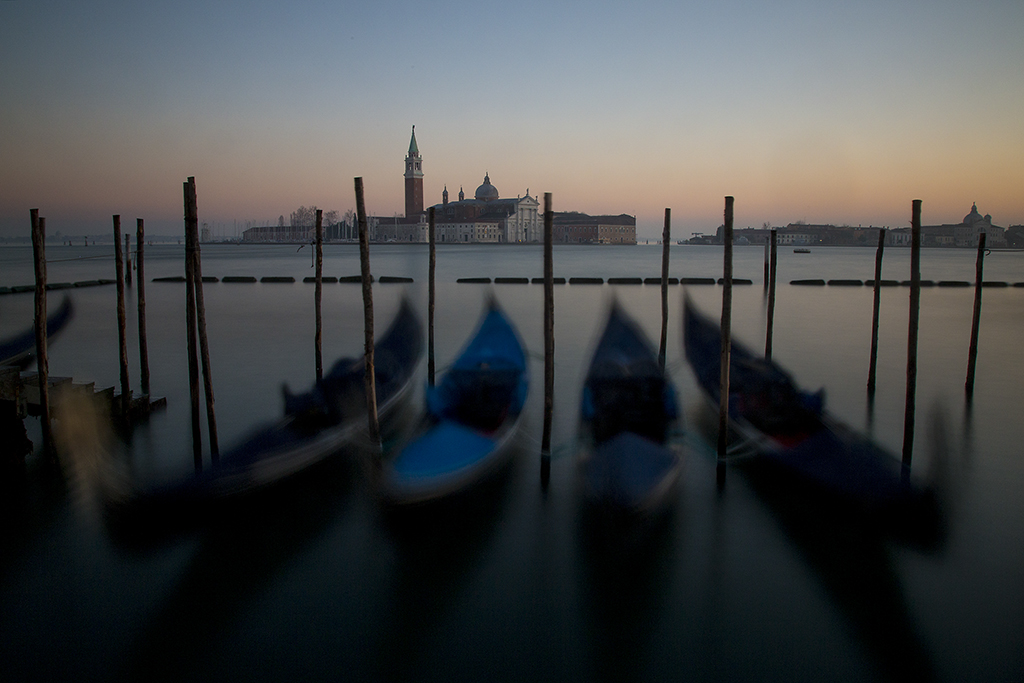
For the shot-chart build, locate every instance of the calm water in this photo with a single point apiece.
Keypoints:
(317, 583)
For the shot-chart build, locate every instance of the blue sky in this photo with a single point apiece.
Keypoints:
(822, 112)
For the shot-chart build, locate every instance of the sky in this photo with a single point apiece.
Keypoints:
(803, 110)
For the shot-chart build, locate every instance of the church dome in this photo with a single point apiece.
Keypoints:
(486, 192)
(973, 216)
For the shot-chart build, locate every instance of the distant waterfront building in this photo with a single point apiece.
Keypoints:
(965, 233)
(487, 217)
(572, 227)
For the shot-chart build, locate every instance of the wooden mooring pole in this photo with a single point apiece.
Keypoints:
(873, 365)
(549, 343)
(140, 234)
(318, 294)
(665, 241)
(430, 299)
(772, 276)
(128, 259)
(122, 341)
(204, 347)
(972, 354)
(364, 266)
(42, 363)
(191, 218)
(726, 346)
(915, 309)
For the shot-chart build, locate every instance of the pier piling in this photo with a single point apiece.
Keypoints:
(430, 299)
(42, 363)
(128, 259)
(122, 341)
(318, 294)
(772, 276)
(979, 282)
(549, 344)
(191, 218)
(665, 235)
(915, 310)
(204, 347)
(726, 348)
(140, 269)
(872, 367)
(370, 373)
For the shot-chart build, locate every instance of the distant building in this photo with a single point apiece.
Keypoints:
(965, 233)
(579, 228)
(487, 217)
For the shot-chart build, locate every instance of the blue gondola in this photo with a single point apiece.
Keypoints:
(790, 430)
(316, 425)
(21, 349)
(628, 410)
(472, 417)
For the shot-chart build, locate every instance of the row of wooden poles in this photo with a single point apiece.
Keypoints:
(912, 335)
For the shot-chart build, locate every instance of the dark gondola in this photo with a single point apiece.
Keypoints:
(20, 350)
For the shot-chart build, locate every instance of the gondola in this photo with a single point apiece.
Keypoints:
(316, 425)
(789, 429)
(471, 418)
(628, 409)
(20, 350)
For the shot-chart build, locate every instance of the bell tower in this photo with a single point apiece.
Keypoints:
(413, 180)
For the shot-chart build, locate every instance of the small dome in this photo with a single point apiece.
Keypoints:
(972, 216)
(486, 192)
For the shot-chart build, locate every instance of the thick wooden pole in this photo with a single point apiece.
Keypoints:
(430, 300)
(317, 296)
(42, 362)
(364, 265)
(140, 234)
(665, 241)
(204, 347)
(772, 276)
(873, 365)
(191, 220)
(122, 341)
(726, 344)
(549, 343)
(972, 354)
(915, 309)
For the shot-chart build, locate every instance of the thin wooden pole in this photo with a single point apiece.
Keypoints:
(42, 362)
(204, 347)
(915, 309)
(364, 265)
(430, 301)
(665, 240)
(122, 340)
(140, 234)
(191, 218)
(127, 259)
(549, 343)
(317, 296)
(767, 247)
(972, 355)
(873, 365)
(772, 276)
(726, 345)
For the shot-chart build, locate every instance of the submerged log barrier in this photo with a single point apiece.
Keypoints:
(122, 341)
(665, 241)
(140, 268)
(369, 374)
(770, 326)
(877, 283)
(972, 353)
(726, 345)
(42, 363)
(431, 271)
(915, 309)
(549, 344)
(318, 294)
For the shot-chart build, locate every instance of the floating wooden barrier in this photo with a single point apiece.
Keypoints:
(657, 281)
(586, 281)
(845, 283)
(238, 278)
(922, 283)
(953, 283)
(995, 283)
(174, 278)
(475, 280)
(21, 289)
(813, 283)
(626, 281)
(1018, 284)
(277, 278)
(554, 280)
(736, 281)
(512, 280)
(883, 283)
(5, 290)
(328, 279)
(384, 279)
(353, 279)
(696, 280)
(59, 285)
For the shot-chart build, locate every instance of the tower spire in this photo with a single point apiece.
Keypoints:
(413, 179)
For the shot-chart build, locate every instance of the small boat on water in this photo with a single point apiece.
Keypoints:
(627, 411)
(316, 425)
(471, 419)
(790, 430)
(20, 350)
